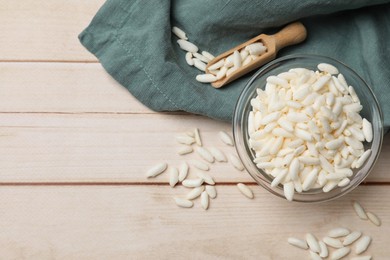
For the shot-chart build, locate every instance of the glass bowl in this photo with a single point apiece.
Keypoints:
(371, 111)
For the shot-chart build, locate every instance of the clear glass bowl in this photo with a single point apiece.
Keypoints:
(371, 111)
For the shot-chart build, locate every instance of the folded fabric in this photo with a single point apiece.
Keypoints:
(134, 43)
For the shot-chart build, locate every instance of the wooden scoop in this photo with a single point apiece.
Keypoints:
(291, 34)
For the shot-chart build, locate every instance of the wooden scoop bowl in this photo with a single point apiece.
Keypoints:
(291, 34)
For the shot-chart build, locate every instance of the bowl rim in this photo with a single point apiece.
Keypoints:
(237, 128)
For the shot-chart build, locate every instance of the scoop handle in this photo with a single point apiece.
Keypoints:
(293, 33)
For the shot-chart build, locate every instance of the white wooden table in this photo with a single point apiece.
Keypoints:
(74, 147)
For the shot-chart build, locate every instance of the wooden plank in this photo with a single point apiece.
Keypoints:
(63, 87)
(96, 147)
(138, 222)
(45, 30)
(110, 148)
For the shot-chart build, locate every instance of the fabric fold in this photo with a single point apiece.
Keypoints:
(133, 42)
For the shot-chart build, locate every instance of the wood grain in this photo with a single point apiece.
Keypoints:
(110, 147)
(63, 87)
(66, 126)
(45, 30)
(98, 147)
(101, 222)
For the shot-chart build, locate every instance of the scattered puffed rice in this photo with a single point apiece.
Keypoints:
(179, 33)
(195, 192)
(173, 177)
(184, 139)
(225, 137)
(297, 242)
(208, 55)
(156, 170)
(362, 244)
(204, 200)
(338, 232)
(211, 191)
(200, 165)
(205, 154)
(324, 249)
(187, 46)
(206, 178)
(184, 203)
(340, 253)
(351, 238)
(314, 256)
(218, 154)
(332, 242)
(360, 210)
(312, 242)
(245, 190)
(192, 183)
(373, 218)
(185, 149)
(183, 171)
(197, 137)
(236, 162)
